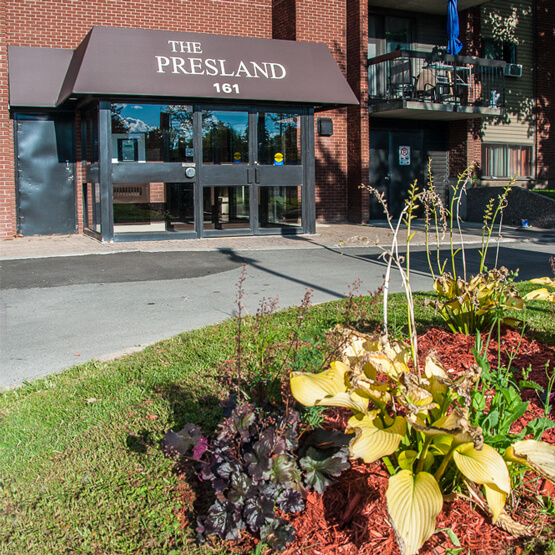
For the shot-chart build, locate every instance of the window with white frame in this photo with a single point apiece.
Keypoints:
(504, 160)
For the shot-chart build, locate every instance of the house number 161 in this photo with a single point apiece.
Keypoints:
(226, 88)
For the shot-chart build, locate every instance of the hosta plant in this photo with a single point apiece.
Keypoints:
(475, 305)
(258, 472)
(543, 294)
(420, 424)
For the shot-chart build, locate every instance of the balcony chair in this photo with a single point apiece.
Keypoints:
(426, 85)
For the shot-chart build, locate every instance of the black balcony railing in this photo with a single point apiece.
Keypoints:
(436, 77)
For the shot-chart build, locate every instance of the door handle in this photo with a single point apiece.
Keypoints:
(256, 175)
(249, 176)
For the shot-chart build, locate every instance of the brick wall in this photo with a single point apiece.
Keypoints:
(324, 22)
(284, 19)
(358, 202)
(545, 86)
(64, 23)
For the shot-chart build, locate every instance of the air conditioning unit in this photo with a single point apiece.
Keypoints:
(513, 70)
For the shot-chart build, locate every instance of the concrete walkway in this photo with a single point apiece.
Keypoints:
(327, 235)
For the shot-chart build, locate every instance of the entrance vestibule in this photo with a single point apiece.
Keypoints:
(173, 170)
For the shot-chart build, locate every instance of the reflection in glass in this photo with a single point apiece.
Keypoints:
(279, 207)
(153, 207)
(226, 207)
(225, 137)
(279, 138)
(152, 133)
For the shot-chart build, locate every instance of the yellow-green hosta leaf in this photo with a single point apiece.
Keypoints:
(397, 351)
(483, 467)
(439, 392)
(419, 396)
(540, 295)
(456, 423)
(379, 393)
(406, 459)
(372, 440)
(516, 303)
(349, 401)
(429, 461)
(384, 364)
(369, 371)
(537, 455)
(309, 388)
(550, 282)
(449, 426)
(413, 502)
(442, 444)
(358, 344)
(434, 369)
(496, 499)
(511, 322)
(435, 372)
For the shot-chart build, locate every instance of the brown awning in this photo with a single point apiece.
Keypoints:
(36, 75)
(136, 62)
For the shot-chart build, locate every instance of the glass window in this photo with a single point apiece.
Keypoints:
(398, 33)
(279, 207)
(507, 160)
(225, 137)
(153, 207)
(499, 50)
(89, 136)
(226, 207)
(91, 207)
(152, 133)
(279, 138)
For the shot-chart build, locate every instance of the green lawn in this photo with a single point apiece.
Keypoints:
(81, 470)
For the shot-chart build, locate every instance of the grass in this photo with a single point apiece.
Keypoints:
(81, 470)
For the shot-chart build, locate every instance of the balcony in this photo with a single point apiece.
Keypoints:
(434, 85)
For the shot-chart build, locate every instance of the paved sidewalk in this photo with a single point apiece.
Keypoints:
(327, 235)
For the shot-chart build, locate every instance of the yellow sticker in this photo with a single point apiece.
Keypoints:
(237, 155)
(278, 157)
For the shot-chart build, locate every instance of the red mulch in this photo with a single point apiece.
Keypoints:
(351, 517)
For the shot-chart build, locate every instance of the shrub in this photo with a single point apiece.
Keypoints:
(258, 472)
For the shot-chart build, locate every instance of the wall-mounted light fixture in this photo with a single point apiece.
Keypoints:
(325, 127)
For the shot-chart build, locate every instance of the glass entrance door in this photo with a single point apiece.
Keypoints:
(279, 171)
(252, 171)
(226, 171)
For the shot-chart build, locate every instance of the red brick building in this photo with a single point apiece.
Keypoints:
(277, 159)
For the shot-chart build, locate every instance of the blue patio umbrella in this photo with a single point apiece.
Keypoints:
(454, 45)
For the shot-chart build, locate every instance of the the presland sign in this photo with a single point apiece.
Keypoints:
(140, 62)
(186, 58)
